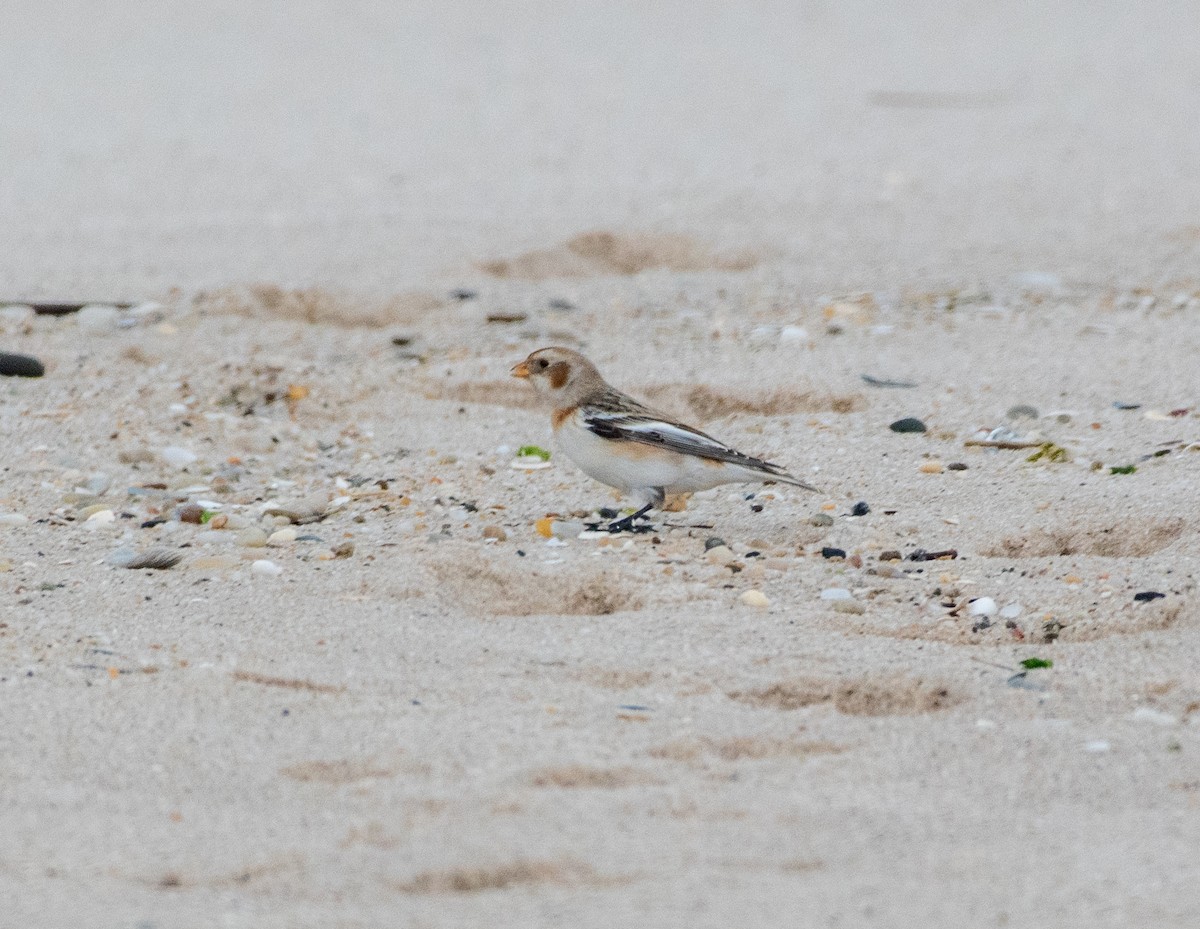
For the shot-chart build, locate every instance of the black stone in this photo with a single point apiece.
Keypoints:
(909, 424)
(1147, 595)
(20, 366)
(830, 552)
(860, 509)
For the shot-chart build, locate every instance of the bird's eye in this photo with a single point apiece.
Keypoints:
(543, 364)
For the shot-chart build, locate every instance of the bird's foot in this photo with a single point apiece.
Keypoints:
(631, 522)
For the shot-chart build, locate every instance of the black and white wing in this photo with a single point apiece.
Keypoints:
(630, 422)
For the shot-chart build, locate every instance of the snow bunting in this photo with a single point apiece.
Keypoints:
(629, 446)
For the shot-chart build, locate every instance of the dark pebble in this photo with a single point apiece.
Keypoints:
(752, 554)
(506, 316)
(829, 552)
(1118, 405)
(463, 294)
(608, 513)
(190, 513)
(756, 507)
(921, 555)
(909, 424)
(713, 542)
(20, 366)
(956, 466)
(557, 303)
(860, 509)
(1147, 595)
(890, 555)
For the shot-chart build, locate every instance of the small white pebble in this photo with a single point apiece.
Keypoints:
(102, 516)
(178, 457)
(96, 317)
(983, 606)
(755, 598)
(835, 593)
(719, 554)
(284, 536)
(1145, 714)
(793, 334)
(1010, 611)
(984, 725)
(1097, 746)
(264, 568)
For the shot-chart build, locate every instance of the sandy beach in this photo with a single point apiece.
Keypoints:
(375, 670)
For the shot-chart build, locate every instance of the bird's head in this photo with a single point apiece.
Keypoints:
(559, 375)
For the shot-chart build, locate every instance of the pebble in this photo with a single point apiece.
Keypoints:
(97, 317)
(719, 555)
(830, 552)
(1097, 746)
(98, 484)
(711, 542)
(214, 563)
(755, 598)
(12, 520)
(566, 529)
(494, 532)
(932, 467)
(1022, 411)
(102, 517)
(860, 509)
(264, 568)
(87, 512)
(1038, 280)
(20, 366)
(1010, 611)
(849, 606)
(1145, 714)
(1147, 595)
(529, 463)
(220, 521)
(793, 334)
(17, 313)
(309, 510)
(821, 519)
(178, 457)
(956, 466)
(252, 537)
(908, 424)
(343, 549)
(121, 557)
(983, 606)
(190, 513)
(282, 536)
(836, 593)
(890, 555)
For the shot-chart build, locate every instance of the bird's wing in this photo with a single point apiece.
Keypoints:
(642, 426)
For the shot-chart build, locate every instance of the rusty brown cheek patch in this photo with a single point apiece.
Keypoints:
(558, 374)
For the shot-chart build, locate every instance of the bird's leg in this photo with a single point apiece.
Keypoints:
(626, 524)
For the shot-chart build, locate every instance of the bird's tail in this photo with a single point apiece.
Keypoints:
(766, 472)
(784, 478)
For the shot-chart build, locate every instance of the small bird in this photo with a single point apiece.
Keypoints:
(629, 446)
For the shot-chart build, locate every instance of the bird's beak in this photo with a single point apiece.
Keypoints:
(520, 370)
